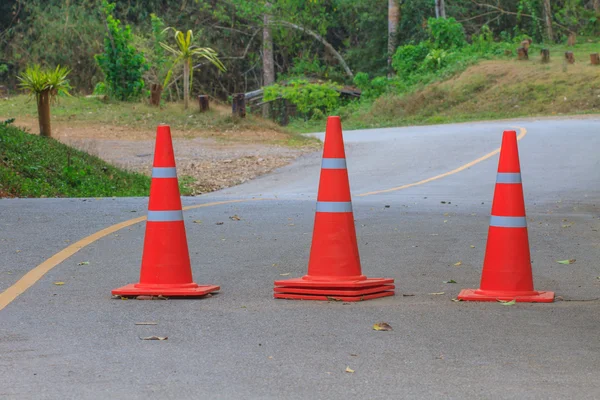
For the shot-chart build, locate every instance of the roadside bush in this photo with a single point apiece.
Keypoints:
(313, 100)
(122, 64)
(407, 59)
(446, 33)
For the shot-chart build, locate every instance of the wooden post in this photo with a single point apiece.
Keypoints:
(570, 57)
(545, 56)
(595, 58)
(203, 102)
(572, 39)
(238, 107)
(522, 53)
(155, 94)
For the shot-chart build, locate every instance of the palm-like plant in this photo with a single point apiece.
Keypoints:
(45, 85)
(184, 54)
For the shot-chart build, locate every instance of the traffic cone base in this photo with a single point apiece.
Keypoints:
(289, 296)
(333, 284)
(492, 295)
(191, 290)
(334, 292)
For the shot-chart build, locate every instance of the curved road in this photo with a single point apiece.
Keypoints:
(74, 341)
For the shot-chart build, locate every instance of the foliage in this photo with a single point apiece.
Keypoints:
(122, 64)
(371, 88)
(34, 166)
(312, 99)
(408, 58)
(157, 57)
(36, 80)
(446, 33)
(186, 51)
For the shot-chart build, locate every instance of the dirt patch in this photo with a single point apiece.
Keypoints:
(205, 163)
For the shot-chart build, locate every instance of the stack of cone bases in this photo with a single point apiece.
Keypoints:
(334, 270)
(166, 268)
(507, 265)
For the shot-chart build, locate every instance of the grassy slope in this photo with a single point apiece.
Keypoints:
(33, 166)
(496, 89)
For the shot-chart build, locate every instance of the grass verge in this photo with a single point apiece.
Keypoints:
(34, 166)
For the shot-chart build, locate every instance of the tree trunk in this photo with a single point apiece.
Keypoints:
(570, 57)
(43, 104)
(393, 20)
(548, 20)
(186, 84)
(155, 94)
(268, 60)
(238, 105)
(545, 56)
(440, 9)
(597, 6)
(203, 102)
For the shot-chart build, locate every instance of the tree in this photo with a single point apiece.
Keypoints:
(122, 64)
(440, 9)
(393, 20)
(268, 58)
(184, 54)
(548, 20)
(45, 85)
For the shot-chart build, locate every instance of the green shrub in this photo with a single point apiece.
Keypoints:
(122, 64)
(446, 33)
(407, 59)
(311, 99)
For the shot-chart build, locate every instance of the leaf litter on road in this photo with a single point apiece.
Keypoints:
(450, 281)
(84, 263)
(154, 338)
(566, 262)
(437, 293)
(508, 303)
(349, 370)
(146, 323)
(382, 326)
(458, 264)
(59, 283)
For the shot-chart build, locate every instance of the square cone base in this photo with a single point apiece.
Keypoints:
(303, 289)
(197, 291)
(479, 295)
(289, 296)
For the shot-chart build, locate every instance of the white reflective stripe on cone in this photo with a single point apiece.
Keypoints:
(508, 222)
(165, 216)
(508, 177)
(333, 163)
(164, 172)
(334, 206)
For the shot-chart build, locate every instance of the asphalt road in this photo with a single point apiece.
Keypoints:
(75, 342)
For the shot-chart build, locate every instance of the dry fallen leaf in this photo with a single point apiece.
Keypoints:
(508, 303)
(286, 274)
(349, 370)
(437, 293)
(84, 263)
(234, 218)
(472, 246)
(458, 264)
(219, 223)
(154, 338)
(456, 300)
(566, 262)
(59, 283)
(382, 326)
(450, 281)
(197, 221)
(146, 323)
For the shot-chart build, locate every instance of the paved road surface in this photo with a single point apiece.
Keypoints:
(75, 342)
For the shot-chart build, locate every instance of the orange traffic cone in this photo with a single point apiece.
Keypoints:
(334, 270)
(166, 266)
(507, 266)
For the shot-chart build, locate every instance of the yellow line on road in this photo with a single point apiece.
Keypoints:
(522, 134)
(30, 278)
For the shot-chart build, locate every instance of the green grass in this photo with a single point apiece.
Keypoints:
(34, 166)
(217, 123)
(500, 88)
